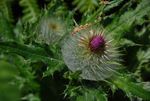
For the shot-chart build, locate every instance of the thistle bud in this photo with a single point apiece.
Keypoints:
(91, 52)
(50, 30)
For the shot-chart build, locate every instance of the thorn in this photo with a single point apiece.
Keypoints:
(76, 24)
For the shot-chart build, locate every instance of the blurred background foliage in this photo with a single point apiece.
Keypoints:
(34, 71)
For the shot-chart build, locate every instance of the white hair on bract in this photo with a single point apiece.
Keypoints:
(50, 30)
(94, 65)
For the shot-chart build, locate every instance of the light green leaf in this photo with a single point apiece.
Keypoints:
(131, 88)
(31, 10)
(92, 95)
(31, 97)
(85, 5)
(143, 56)
(112, 4)
(8, 89)
(123, 23)
(5, 8)
(33, 54)
(6, 31)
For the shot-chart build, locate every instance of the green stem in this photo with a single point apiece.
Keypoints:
(130, 87)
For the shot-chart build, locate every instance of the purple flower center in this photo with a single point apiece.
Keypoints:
(97, 44)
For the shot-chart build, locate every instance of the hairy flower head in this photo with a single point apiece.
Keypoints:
(91, 52)
(50, 30)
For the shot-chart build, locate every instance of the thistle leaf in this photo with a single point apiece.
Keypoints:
(5, 8)
(130, 87)
(125, 21)
(112, 5)
(32, 54)
(8, 89)
(85, 5)
(6, 31)
(143, 56)
(31, 10)
(92, 95)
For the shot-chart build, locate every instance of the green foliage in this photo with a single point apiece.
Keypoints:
(31, 97)
(81, 93)
(27, 52)
(31, 10)
(143, 56)
(8, 89)
(5, 8)
(86, 5)
(38, 68)
(131, 88)
(124, 22)
(144, 59)
(6, 32)
(113, 4)
(33, 54)
(92, 95)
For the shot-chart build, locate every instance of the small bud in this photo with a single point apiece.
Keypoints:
(50, 30)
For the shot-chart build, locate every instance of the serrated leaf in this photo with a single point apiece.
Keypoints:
(112, 4)
(127, 42)
(92, 95)
(53, 66)
(32, 54)
(85, 5)
(5, 8)
(31, 10)
(6, 31)
(143, 56)
(31, 97)
(125, 21)
(131, 88)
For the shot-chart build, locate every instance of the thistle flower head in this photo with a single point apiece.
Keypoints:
(50, 30)
(91, 52)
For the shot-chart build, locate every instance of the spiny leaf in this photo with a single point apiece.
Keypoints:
(86, 5)
(130, 87)
(32, 54)
(143, 56)
(124, 23)
(31, 10)
(92, 95)
(31, 97)
(112, 4)
(5, 8)
(6, 31)
(127, 42)
(53, 66)
(25, 51)
(144, 60)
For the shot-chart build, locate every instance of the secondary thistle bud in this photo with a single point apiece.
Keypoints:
(50, 30)
(91, 52)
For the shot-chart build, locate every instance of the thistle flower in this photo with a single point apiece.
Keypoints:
(92, 53)
(50, 30)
